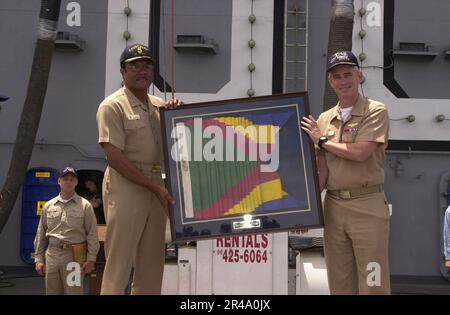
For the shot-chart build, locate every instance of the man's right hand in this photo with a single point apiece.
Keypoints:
(164, 196)
(447, 264)
(40, 268)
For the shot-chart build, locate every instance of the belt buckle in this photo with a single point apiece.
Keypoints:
(345, 194)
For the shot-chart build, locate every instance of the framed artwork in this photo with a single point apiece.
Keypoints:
(240, 166)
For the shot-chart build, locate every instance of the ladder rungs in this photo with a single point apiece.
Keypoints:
(296, 12)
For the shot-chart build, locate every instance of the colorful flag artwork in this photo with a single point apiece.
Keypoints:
(226, 161)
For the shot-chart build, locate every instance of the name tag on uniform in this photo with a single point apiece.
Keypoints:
(351, 130)
(133, 117)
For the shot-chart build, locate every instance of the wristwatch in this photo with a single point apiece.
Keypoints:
(322, 140)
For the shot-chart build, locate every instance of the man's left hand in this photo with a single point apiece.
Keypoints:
(447, 264)
(87, 267)
(173, 103)
(309, 124)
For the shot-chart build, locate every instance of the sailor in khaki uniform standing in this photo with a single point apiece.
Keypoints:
(134, 196)
(351, 139)
(66, 220)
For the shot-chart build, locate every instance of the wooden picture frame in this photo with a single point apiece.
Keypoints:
(240, 166)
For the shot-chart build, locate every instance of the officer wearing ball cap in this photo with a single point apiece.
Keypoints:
(350, 141)
(66, 220)
(134, 196)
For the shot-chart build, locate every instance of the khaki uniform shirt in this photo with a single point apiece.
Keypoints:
(133, 127)
(71, 223)
(368, 121)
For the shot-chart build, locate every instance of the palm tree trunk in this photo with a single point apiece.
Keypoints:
(340, 38)
(32, 109)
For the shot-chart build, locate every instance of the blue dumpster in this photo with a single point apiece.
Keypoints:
(41, 185)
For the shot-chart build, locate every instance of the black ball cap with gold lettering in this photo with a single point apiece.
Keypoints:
(134, 52)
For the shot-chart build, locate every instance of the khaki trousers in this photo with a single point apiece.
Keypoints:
(356, 237)
(135, 235)
(59, 280)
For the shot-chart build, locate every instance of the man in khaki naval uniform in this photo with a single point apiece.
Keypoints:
(66, 219)
(351, 139)
(134, 195)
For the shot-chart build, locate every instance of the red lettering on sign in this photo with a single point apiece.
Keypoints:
(249, 242)
(257, 243)
(235, 241)
(265, 240)
(246, 241)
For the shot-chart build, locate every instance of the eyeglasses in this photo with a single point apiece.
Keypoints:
(136, 67)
